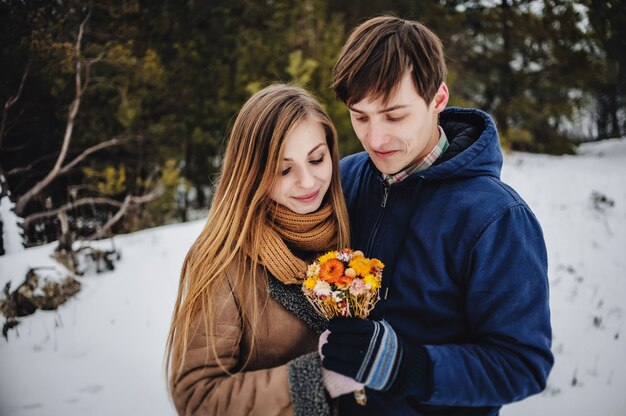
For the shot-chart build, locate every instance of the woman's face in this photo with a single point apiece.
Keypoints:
(306, 169)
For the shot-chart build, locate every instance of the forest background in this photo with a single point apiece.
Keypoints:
(115, 113)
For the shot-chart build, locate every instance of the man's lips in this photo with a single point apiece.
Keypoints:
(384, 154)
(308, 197)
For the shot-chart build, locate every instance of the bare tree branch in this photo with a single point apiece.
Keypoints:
(118, 215)
(134, 200)
(97, 59)
(66, 207)
(15, 121)
(69, 126)
(10, 102)
(74, 189)
(18, 170)
(111, 142)
(14, 148)
(154, 194)
(121, 139)
(88, 64)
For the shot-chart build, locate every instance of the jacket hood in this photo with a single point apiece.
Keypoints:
(474, 146)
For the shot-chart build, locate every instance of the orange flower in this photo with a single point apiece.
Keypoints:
(332, 271)
(344, 281)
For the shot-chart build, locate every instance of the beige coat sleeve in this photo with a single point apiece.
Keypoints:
(203, 387)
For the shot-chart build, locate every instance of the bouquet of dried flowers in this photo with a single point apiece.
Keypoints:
(344, 283)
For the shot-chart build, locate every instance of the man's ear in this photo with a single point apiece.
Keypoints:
(441, 98)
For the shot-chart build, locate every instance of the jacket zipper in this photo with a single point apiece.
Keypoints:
(385, 195)
(376, 226)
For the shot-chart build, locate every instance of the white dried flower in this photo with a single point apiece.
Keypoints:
(322, 289)
(358, 287)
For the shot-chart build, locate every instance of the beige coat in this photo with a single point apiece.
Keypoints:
(263, 388)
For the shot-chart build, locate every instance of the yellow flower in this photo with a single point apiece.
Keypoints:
(361, 265)
(372, 280)
(377, 263)
(310, 283)
(324, 258)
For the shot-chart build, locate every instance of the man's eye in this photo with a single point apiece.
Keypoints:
(397, 118)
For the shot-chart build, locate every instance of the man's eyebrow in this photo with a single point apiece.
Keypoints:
(384, 110)
(308, 154)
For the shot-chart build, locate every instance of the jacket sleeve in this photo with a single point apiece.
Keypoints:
(508, 319)
(204, 388)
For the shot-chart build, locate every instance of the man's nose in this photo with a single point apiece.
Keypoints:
(376, 136)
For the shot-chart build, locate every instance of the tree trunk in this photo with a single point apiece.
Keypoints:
(506, 75)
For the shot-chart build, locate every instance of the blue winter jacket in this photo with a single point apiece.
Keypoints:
(465, 274)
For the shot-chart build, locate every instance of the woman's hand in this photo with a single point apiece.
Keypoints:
(336, 384)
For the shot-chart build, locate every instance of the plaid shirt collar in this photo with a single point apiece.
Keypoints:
(422, 164)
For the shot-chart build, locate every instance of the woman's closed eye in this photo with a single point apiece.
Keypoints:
(317, 161)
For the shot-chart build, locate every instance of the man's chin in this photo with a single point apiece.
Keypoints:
(386, 168)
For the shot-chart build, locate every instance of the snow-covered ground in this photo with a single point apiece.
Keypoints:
(102, 352)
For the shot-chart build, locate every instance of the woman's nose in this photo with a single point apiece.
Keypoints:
(307, 180)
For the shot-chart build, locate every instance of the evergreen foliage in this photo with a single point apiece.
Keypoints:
(173, 75)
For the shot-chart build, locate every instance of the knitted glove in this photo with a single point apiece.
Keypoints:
(372, 354)
(336, 384)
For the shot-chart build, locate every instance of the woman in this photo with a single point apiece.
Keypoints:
(243, 339)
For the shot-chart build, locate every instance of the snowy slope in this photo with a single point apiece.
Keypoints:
(102, 352)
(587, 270)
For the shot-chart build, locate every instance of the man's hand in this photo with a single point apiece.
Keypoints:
(367, 351)
(372, 353)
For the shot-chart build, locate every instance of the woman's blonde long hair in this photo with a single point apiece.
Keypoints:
(238, 214)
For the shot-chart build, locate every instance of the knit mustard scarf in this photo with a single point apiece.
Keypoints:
(315, 232)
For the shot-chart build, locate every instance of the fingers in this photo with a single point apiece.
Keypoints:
(350, 325)
(347, 344)
(341, 367)
(339, 384)
(345, 354)
(348, 340)
(368, 351)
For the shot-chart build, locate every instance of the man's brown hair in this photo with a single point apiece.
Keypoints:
(380, 51)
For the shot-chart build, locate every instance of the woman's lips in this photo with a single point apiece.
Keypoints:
(308, 197)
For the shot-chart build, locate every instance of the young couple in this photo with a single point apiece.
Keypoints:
(463, 323)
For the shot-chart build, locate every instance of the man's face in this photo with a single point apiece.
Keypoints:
(401, 131)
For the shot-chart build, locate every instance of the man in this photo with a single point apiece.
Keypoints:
(463, 324)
